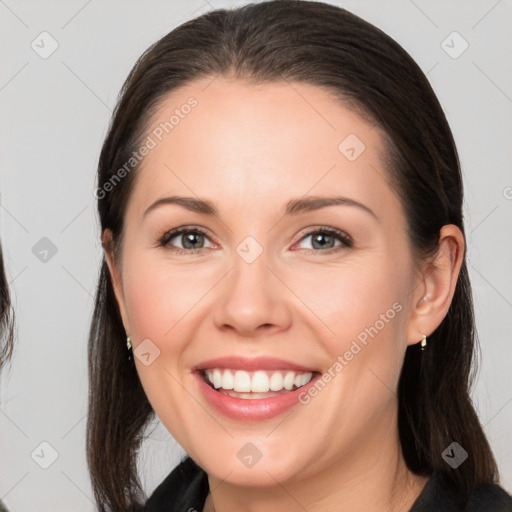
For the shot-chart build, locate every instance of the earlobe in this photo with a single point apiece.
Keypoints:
(115, 275)
(438, 282)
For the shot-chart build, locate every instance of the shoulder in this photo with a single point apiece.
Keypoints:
(437, 495)
(186, 487)
(490, 497)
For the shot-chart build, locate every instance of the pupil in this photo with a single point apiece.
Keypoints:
(318, 238)
(321, 240)
(190, 238)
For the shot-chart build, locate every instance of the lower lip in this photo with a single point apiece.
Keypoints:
(241, 409)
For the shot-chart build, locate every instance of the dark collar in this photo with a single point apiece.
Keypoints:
(186, 488)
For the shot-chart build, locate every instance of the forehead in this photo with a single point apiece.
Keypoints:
(230, 139)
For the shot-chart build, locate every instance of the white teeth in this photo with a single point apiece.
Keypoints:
(302, 380)
(228, 381)
(289, 380)
(217, 378)
(260, 381)
(276, 381)
(242, 382)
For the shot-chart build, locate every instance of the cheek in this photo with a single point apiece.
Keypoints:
(353, 301)
(160, 302)
(343, 303)
(159, 297)
(363, 317)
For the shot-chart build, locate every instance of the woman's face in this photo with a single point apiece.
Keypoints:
(267, 286)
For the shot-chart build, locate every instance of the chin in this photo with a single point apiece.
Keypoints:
(256, 463)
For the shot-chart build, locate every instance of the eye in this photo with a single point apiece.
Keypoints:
(192, 240)
(324, 239)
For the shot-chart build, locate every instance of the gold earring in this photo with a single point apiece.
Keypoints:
(423, 343)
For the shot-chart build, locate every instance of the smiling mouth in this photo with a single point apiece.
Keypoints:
(255, 384)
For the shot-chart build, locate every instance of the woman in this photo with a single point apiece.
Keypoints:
(315, 348)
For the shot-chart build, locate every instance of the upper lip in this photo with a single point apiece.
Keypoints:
(251, 364)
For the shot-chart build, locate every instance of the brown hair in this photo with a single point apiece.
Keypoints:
(322, 45)
(6, 317)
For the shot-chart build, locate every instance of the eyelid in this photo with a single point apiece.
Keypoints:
(345, 239)
(174, 232)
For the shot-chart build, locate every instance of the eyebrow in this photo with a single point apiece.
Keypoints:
(293, 207)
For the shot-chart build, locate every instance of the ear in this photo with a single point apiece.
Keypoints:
(433, 296)
(115, 276)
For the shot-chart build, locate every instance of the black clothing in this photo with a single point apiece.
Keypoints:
(186, 489)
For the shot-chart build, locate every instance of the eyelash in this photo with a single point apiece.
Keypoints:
(344, 238)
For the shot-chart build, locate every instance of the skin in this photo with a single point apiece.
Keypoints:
(249, 149)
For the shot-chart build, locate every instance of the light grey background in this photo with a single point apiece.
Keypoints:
(55, 112)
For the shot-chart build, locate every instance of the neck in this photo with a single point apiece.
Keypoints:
(372, 477)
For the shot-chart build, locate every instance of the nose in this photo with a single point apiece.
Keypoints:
(253, 300)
